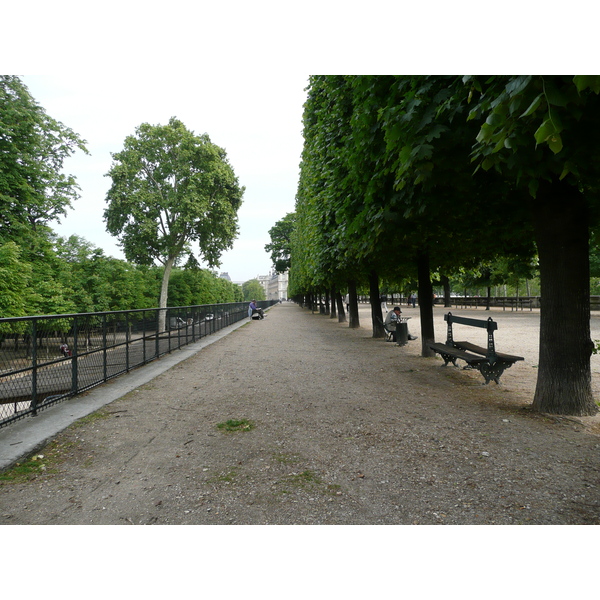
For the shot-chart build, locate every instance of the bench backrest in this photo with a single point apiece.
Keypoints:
(489, 324)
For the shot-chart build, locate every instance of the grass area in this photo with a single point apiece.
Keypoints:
(26, 470)
(308, 481)
(42, 463)
(227, 477)
(46, 461)
(236, 425)
(285, 459)
(91, 418)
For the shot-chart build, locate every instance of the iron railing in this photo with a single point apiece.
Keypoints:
(46, 359)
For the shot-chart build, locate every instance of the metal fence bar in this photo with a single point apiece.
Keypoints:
(47, 359)
(34, 370)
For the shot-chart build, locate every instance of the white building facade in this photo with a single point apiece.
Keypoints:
(275, 285)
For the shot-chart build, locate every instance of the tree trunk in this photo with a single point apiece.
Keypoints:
(333, 314)
(164, 294)
(446, 284)
(376, 312)
(561, 220)
(354, 322)
(425, 293)
(340, 308)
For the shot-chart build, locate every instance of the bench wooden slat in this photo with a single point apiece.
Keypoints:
(471, 347)
(458, 353)
(481, 350)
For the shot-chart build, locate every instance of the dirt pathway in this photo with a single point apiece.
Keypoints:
(337, 428)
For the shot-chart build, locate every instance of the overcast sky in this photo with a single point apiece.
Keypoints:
(238, 72)
(256, 117)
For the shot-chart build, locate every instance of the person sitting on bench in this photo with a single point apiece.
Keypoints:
(255, 310)
(392, 319)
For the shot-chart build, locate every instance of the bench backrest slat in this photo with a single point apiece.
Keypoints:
(489, 324)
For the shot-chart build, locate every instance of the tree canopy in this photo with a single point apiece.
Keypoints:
(171, 189)
(43, 273)
(280, 247)
(253, 290)
(33, 147)
(435, 174)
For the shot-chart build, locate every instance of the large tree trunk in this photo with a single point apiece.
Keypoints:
(164, 294)
(425, 293)
(376, 312)
(354, 322)
(560, 220)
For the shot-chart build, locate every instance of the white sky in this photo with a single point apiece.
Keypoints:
(256, 117)
(237, 71)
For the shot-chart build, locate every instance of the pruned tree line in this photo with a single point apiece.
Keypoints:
(425, 177)
(174, 196)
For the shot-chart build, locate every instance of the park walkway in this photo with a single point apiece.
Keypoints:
(336, 428)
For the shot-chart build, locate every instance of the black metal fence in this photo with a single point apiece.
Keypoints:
(46, 359)
(504, 302)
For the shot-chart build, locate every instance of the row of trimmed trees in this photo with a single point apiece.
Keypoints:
(410, 176)
(73, 276)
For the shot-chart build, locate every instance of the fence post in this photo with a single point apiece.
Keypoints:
(74, 357)
(157, 345)
(127, 342)
(34, 400)
(104, 352)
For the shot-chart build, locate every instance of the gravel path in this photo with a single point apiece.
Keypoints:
(347, 429)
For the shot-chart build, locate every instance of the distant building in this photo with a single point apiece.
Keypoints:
(263, 280)
(277, 286)
(225, 276)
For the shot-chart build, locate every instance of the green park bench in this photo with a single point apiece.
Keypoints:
(491, 364)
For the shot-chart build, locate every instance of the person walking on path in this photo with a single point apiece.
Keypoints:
(383, 300)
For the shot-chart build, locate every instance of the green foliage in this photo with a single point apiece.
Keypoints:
(192, 286)
(41, 273)
(470, 175)
(386, 175)
(280, 247)
(537, 127)
(33, 146)
(324, 247)
(15, 276)
(74, 276)
(171, 189)
(253, 290)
